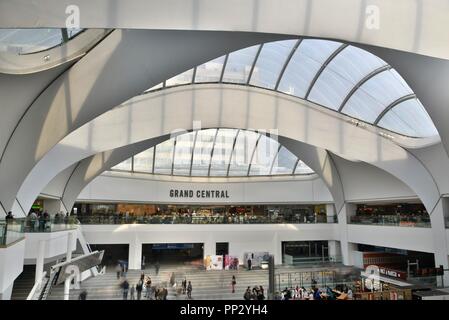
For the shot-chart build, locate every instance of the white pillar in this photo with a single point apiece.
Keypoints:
(70, 237)
(437, 220)
(334, 249)
(277, 249)
(67, 282)
(40, 260)
(209, 247)
(135, 254)
(330, 212)
(6, 294)
(347, 248)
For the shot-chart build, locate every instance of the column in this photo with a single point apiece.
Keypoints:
(70, 237)
(437, 221)
(334, 250)
(135, 254)
(209, 247)
(277, 249)
(330, 212)
(347, 248)
(40, 260)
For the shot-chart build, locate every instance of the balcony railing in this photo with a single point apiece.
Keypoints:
(390, 220)
(50, 224)
(218, 219)
(11, 231)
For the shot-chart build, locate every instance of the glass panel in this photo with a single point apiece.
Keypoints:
(183, 78)
(363, 106)
(222, 152)
(270, 62)
(353, 64)
(183, 154)
(409, 118)
(143, 162)
(158, 86)
(210, 71)
(386, 87)
(164, 157)
(284, 163)
(302, 168)
(266, 150)
(239, 65)
(22, 41)
(124, 165)
(330, 90)
(202, 153)
(243, 150)
(304, 65)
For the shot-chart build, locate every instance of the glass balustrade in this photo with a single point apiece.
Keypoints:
(217, 219)
(50, 224)
(11, 231)
(393, 220)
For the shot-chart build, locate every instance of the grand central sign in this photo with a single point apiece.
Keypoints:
(203, 194)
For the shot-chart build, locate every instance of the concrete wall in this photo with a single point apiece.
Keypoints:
(11, 266)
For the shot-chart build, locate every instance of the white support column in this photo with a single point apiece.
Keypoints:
(333, 249)
(437, 220)
(209, 247)
(347, 248)
(70, 237)
(330, 212)
(277, 249)
(135, 254)
(40, 260)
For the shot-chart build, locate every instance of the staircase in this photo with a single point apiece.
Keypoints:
(24, 283)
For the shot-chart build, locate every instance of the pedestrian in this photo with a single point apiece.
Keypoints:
(139, 288)
(83, 295)
(118, 269)
(156, 267)
(148, 288)
(189, 290)
(249, 264)
(142, 276)
(247, 295)
(9, 217)
(125, 287)
(131, 292)
(184, 286)
(233, 283)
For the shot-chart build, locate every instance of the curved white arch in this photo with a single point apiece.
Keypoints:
(413, 26)
(219, 105)
(123, 65)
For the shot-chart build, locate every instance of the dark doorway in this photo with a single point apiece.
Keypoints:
(222, 248)
(173, 253)
(112, 252)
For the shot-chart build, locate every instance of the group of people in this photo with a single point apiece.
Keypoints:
(186, 288)
(257, 293)
(314, 293)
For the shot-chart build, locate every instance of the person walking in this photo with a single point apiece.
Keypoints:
(139, 287)
(249, 264)
(233, 283)
(156, 267)
(189, 290)
(118, 269)
(131, 292)
(184, 286)
(148, 288)
(83, 295)
(125, 287)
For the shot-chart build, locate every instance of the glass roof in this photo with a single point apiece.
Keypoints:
(337, 76)
(217, 153)
(26, 41)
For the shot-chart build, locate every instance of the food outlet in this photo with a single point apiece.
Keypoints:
(211, 194)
